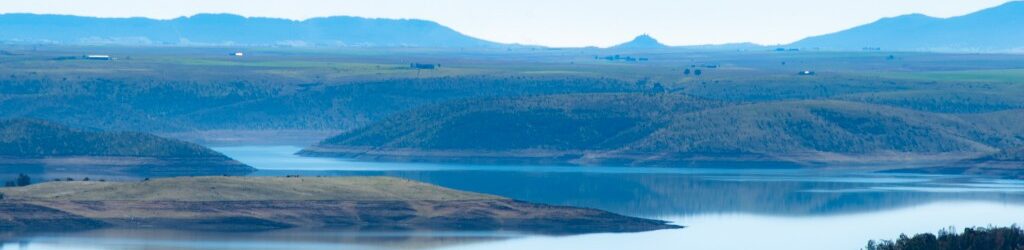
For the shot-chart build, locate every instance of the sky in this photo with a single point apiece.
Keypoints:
(557, 23)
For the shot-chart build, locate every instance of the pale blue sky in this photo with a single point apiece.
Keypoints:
(553, 22)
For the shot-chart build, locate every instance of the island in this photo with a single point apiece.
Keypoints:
(46, 148)
(267, 203)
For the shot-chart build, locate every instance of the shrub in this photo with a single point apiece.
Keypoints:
(23, 180)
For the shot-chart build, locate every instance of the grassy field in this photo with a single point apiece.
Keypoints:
(243, 189)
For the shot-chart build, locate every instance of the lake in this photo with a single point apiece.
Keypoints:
(768, 208)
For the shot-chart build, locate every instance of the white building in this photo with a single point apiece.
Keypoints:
(98, 57)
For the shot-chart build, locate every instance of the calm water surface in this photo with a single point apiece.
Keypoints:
(723, 208)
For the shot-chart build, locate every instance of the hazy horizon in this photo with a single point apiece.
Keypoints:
(557, 24)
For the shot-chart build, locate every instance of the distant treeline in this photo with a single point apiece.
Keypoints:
(137, 103)
(992, 238)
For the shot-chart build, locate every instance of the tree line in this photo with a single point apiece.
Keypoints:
(21, 181)
(991, 238)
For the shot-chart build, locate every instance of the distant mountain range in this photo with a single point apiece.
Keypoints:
(997, 29)
(226, 29)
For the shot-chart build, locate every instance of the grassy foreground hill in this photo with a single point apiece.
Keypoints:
(254, 203)
(643, 129)
(41, 146)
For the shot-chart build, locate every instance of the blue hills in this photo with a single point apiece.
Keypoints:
(227, 29)
(997, 29)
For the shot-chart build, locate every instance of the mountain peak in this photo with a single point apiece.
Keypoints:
(644, 41)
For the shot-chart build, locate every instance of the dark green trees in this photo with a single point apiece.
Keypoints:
(1004, 238)
(23, 180)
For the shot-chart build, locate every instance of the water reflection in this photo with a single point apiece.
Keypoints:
(130, 239)
(742, 231)
(668, 195)
(661, 192)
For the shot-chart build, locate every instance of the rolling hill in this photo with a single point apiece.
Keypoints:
(666, 129)
(556, 128)
(36, 146)
(998, 29)
(233, 30)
